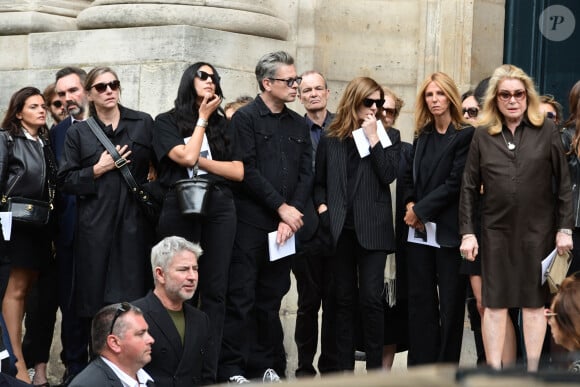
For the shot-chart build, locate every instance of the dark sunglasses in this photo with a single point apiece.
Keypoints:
(289, 81)
(388, 111)
(204, 76)
(551, 115)
(123, 308)
(506, 95)
(471, 112)
(102, 87)
(368, 102)
(57, 104)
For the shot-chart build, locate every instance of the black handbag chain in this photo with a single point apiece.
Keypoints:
(120, 162)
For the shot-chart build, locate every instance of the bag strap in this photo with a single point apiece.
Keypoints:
(120, 162)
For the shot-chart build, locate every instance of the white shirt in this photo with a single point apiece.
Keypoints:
(127, 381)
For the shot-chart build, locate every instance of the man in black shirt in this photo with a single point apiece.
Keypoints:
(277, 155)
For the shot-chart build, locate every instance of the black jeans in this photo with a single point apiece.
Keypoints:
(359, 271)
(315, 286)
(253, 339)
(215, 233)
(436, 304)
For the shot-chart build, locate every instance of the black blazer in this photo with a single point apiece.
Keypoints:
(96, 374)
(437, 197)
(173, 363)
(373, 212)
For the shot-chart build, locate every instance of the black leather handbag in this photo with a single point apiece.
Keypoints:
(193, 194)
(27, 211)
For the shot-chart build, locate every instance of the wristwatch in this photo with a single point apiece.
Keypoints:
(566, 231)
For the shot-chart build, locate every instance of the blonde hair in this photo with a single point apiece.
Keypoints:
(491, 117)
(346, 119)
(399, 103)
(423, 116)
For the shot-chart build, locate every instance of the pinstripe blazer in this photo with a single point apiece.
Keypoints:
(372, 208)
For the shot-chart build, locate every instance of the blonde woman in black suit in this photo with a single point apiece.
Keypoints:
(353, 195)
(436, 288)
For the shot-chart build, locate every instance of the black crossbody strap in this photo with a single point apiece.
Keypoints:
(120, 162)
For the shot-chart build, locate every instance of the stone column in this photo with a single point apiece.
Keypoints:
(240, 16)
(24, 17)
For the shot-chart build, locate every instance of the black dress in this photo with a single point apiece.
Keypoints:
(112, 236)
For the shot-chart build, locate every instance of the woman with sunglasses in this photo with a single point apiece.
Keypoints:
(469, 106)
(571, 140)
(395, 300)
(564, 318)
(113, 238)
(436, 288)
(352, 190)
(179, 135)
(526, 208)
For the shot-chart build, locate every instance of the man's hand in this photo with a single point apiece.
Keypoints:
(291, 216)
(284, 233)
(563, 243)
(411, 219)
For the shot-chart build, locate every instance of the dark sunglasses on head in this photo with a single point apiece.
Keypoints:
(551, 115)
(471, 112)
(102, 87)
(204, 76)
(57, 104)
(123, 308)
(289, 81)
(368, 102)
(506, 95)
(389, 111)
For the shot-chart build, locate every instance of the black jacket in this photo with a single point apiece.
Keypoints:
(23, 167)
(574, 167)
(173, 363)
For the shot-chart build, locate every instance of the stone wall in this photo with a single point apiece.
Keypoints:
(149, 43)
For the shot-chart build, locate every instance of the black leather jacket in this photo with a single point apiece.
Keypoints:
(23, 167)
(574, 167)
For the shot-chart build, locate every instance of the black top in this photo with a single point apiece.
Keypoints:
(277, 155)
(166, 136)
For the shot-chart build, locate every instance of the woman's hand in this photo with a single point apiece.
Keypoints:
(209, 104)
(369, 127)
(469, 247)
(563, 243)
(106, 162)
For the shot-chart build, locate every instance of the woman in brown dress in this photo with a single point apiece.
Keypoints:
(517, 155)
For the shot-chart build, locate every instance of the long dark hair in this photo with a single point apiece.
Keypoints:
(186, 110)
(11, 123)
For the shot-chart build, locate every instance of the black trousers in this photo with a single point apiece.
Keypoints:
(436, 304)
(215, 233)
(315, 286)
(41, 307)
(359, 273)
(75, 332)
(253, 339)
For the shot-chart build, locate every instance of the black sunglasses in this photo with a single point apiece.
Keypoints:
(289, 81)
(102, 87)
(389, 111)
(204, 76)
(57, 104)
(551, 115)
(471, 112)
(123, 308)
(368, 102)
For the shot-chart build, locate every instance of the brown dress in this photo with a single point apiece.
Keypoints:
(520, 211)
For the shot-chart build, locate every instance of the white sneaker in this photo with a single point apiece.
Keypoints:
(238, 379)
(270, 376)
